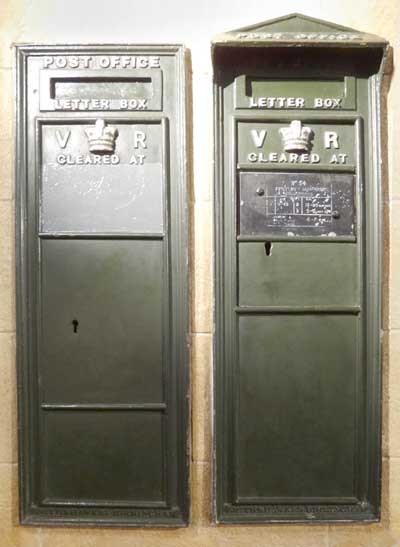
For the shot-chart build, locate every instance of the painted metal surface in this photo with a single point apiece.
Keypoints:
(297, 273)
(102, 285)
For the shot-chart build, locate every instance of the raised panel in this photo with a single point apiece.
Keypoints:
(84, 192)
(128, 464)
(293, 93)
(114, 291)
(261, 144)
(99, 89)
(298, 274)
(296, 438)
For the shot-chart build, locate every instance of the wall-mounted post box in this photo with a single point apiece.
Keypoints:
(102, 285)
(297, 246)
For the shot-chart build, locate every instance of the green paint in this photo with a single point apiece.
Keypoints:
(102, 288)
(298, 318)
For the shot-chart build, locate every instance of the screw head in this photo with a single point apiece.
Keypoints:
(260, 191)
(335, 214)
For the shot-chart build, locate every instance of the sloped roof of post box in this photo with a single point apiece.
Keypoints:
(296, 30)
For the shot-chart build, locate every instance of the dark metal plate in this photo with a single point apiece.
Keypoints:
(297, 204)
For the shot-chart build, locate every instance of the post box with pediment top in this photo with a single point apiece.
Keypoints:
(297, 272)
(102, 285)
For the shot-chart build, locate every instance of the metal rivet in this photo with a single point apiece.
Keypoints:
(335, 214)
(260, 191)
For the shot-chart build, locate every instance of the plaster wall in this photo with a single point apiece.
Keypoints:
(194, 24)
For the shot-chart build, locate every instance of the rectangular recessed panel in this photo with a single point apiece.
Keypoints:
(296, 407)
(102, 456)
(291, 204)
(298, 274)
(114, 291)
(295, 93)
(118, 88)
(83, 191)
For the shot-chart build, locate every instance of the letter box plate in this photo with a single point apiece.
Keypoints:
(297, 273)
(102, 285)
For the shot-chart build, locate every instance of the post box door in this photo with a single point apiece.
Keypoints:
(102, 285)
(297, 362)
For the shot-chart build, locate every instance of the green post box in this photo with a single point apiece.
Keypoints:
(102, 285)
(298, 262)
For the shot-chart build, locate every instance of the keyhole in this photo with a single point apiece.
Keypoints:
(268, 248)
(75, 324)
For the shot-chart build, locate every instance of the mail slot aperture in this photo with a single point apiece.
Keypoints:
(297, 273)
(81, 88)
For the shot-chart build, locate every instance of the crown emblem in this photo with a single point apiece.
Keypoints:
(296, 138)
(101, 138)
